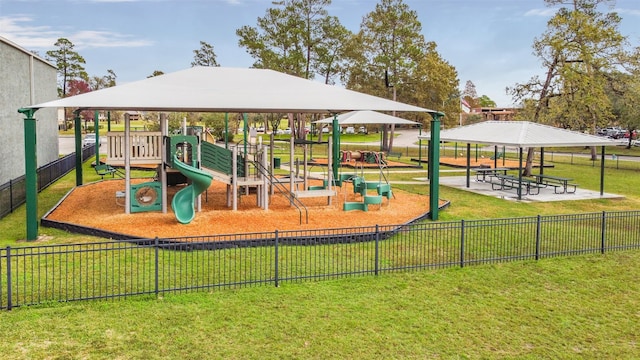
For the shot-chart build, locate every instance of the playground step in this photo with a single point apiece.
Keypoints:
(373, 199)
(348, 206)
(385, 190)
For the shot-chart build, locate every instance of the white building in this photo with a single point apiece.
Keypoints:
(25, 79)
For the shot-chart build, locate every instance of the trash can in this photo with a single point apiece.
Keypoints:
(276, 163)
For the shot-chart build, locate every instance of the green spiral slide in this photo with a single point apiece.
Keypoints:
(183, 203)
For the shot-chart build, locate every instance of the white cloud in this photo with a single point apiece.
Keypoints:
(19, 30)
(634, 12)
(548, 12)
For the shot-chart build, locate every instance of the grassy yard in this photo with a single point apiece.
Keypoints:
(561, 308)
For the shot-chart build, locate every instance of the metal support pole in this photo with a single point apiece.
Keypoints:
(78, 132)
(420, 144)
(602, 153)
(520, 174)
(434, 166)
(336, 147)
(469, 165)
(96, 129)
(31, 172)
(541, 160)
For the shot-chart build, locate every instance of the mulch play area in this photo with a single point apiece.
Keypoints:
(95, 205)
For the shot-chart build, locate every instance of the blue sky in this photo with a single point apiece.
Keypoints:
(487, 41)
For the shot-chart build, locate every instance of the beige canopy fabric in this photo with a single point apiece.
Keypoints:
(522, 134)
(366, 117)
(219, 89)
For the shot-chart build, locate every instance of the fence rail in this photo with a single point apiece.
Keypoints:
(13, 193)
(118, 269)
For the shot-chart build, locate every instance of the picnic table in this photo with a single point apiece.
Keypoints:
(508, 182)
(483, 173)
(557, 182)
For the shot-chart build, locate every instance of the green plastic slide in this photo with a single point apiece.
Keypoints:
(183, 203)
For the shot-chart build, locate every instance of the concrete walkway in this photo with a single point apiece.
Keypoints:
(545, 195)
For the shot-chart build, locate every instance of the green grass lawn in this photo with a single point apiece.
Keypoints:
(560, 308)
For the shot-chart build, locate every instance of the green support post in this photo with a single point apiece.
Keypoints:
(96, 129)
(336, 147)
(31, 174)
(108, 121)
(434, 166)
(78, 132)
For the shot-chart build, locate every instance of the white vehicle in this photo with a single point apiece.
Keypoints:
(350, 130)
(89, 140)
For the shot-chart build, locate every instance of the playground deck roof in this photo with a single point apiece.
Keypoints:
(219, 89)
(521, 134)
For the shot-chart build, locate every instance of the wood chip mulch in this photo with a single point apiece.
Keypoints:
(95, 205)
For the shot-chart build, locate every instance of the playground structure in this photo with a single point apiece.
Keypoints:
(185, 159)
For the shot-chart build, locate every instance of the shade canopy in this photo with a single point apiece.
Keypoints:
(366, 117)
(218, 89)
(522, 134)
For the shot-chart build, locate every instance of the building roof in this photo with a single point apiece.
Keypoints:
(522, 134)
(219, 89)
(366, 117)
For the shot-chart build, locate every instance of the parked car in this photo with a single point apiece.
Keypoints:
(89, 140)
(350, 130)
(362, 130)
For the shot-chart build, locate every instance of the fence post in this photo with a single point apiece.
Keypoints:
(603, 230)
(157, 261)
(277, 282)
(377, 257)
(11, 195)
(538, 238)
(461, 243)
(9, 300)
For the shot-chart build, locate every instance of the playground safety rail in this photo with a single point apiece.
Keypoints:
(119, 269)
(273, 181)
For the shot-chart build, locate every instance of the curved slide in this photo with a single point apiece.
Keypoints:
(183, 203)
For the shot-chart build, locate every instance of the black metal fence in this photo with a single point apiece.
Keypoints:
(13, 193)
(118, 269)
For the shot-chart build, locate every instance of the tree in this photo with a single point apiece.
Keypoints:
(330, 60)
(68, 62)
(205, 56)
(299, 38)
(625, 103)
(470, 95)
(77, 87)
(390, 58)
(485, 101)
(101, 82)
(579, 49)
(156, 73)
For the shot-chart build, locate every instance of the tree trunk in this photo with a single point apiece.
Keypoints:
(391, 135)
(385, 138)
(529, 164)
